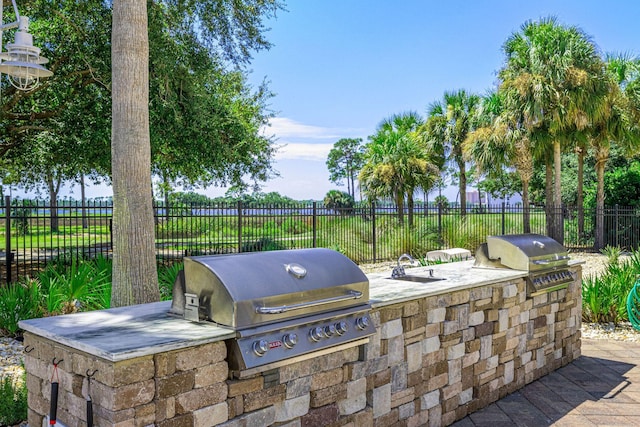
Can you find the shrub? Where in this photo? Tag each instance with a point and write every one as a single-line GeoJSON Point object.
{"type": "Point", "coordinates": [82, 286]}
{"type": "Point", "coordinates": [604, 297]}
{"type": "Point", "coordinates": [21, 215]}
{"type": "Point", "coordinates": [294, 226]}
{"type": "Point", "coordinates": [612, 253]}
{"type": "Point", "coordinates": [18, 301]}
{"type": "Point", "coordinates": [340, 202]}
{"type": "Point", "coordinates": [13, 400]}
{"type": "Point", "coordinates": [264, 244]}
{"type": "Point", "coordinates": [187, 227]}
{"type": "Point", "coordinates": [166, 278]}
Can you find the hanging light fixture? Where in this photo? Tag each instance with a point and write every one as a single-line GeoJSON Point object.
{"type": "Point", "coordinates": [22, 61]}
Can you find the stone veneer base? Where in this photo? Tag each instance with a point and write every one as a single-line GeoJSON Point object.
{"type": "Point", "coordinates": [432, 361]}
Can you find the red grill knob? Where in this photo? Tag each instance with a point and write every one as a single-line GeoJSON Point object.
{"type": "Point", "coordinates": [316, 334]}
{"type": "Point", "coordinates": [290, 340]}
{"type": "Point", "coordinates": [341, 327]}
{"type": "Point", "coordinates": [362, 323]}
{"type": "Point", "coordinates": [260, 347]}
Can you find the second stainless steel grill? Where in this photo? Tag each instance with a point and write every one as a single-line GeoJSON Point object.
{"type": "Point", "coordinates": [282, 304]}
{"type": "Point", "coordinates": [545, 259]}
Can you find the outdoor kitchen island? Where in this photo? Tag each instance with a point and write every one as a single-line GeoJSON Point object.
{"type": "Point", "coordinates": [440, 351]}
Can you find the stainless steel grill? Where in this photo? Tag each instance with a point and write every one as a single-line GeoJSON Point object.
{"type": "Point", "coordinates": [545, 259]}
{"type": "Point", "coordinates": [282, 304]}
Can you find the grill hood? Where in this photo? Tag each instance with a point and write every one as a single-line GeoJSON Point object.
{"type": "Point", "coordinates": [528, 252]}
{"type": "Point", "coordinates": [543, 258]}
{"type": "Point", "coordinates": [256, 288]}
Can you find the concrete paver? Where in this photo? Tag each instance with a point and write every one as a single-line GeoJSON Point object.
{"type": "Point", "coordinates": [601, 388]}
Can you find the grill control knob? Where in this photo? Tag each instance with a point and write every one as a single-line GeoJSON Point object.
{"type": "Point", "coordinates": [316, 334]}
{"type": "Point", "coordinates": [260, 347]}
{"type": "Point", "coordinates": [290, 340]}
{"type": "Point", "coordinates": [341, 327]}
{"type": "Point", "coordinates": [362, 323]}
{"type": "Point", "coordinates": [330, 330]}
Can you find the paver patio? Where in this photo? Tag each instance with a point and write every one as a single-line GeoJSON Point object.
{"type": "Point", "coordinates": [601, 388]}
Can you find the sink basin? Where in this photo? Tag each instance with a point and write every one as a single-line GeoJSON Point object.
{"type": "Point", "coordinates": [419, 279]}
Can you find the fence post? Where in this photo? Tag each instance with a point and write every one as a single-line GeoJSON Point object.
{"type": "Point", "coordinates": [373, 230]}
{"type": "Point", "coordinates": [503, 218]}
{"type": "Point", "coordinates": [7, 236]}
{"type": "Point", "coordinates": [239, 226]}
{"type": "Point", "coordinates": [315, 224]}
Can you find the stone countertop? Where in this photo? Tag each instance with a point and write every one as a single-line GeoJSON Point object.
{"type": "Point", "coordinates": [126, 332]}
{"type": "Point", "coordinates": [140, 330]}
{"type": "Point", "coordinates": [457, 276]}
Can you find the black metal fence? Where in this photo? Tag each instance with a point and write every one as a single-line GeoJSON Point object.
{"type": "Point", "coordinates": [36, 234]}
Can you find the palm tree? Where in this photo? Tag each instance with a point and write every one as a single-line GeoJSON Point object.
{"type": "Point", "coordinates": [340, 202]}
{"type": "Point", "coordinates": [553, 80]}
{"type": "Point", "coordinates": [397, 163]}
{"type": "Point", "coordinates": [135, 278]}
{"type": "Point", "coordinates": [448, 125]}
{"type": "Point", "coordinates": [498, 141]}
{"type": "Point", "coordinates": [619, 124]}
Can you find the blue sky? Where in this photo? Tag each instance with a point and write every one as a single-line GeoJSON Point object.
{"type": "Point", "coordinates": [339, 67]}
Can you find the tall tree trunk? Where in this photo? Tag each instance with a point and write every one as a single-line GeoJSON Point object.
{"type": "Point", "coordinates": [558, 232]}
{"type": "Point", "coordinates": [601, 162]}
{"type": "Point", "coordinates": [463, 188]}
{"type": "Point", "coordinates": [548, 195]}
{"type": "Point", "coordinates": [580, 191]}
{"type": "Point", "coordinates": [349, 176]}
{"type": "Point", "coordinates": [353, 185]}
{"type": "Point", "coordinates": [53, 186]}
{"type": "Point", "coordinates": [400, 207]}
{"type": "Point", "coordinates": [526, 218]}
{"type": "Point", "coordinates": [135, 279]}
{"type": "Point", "coordinates": [410, 207]}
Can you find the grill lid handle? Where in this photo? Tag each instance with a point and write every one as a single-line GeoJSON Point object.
{"type": "Point", "coordinates": [285, 308]}
{"type": "Point", "coordinates": [549, 261]}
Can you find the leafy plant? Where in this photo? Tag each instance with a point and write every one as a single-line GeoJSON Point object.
{"type": "Point", "coordinates": [604, 297]}
{"type": "Point", "coordinates": [18, 301]}
{"type": "Point", "coordinates": [82, 286]}
{"type": "Point", "coordinates": [167, 275]}
{"type": "Point", "coordinates": [13, 400]}
{"type": "Point", "coordinates": [612, 253]}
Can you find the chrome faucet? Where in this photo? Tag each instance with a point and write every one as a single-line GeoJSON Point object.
{"type": "Point", "coordinates": [398, 270]}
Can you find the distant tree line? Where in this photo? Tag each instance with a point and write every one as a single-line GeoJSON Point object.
{"type": "Point", "coordinates": [560, 127]}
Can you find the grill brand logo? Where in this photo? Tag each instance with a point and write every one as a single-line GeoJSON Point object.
{"type": "Point", "coordinates": [275, 344]}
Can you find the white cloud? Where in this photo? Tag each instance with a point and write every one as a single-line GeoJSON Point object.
{"type": "Point", "coordinates": [282, 127]}
{"type": "Point", "coordinates": [303, 151]}
{"type": "Point", "coordinates": [291, 138]}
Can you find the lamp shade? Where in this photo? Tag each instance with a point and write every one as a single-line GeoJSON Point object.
{"type": "Point", "coordinates": [22, 61]}
{"type": "Point", "coordinates": [21, 69]}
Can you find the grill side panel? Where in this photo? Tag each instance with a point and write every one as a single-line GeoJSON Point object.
{"type": "Point", "coordinates": [216, 303]}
